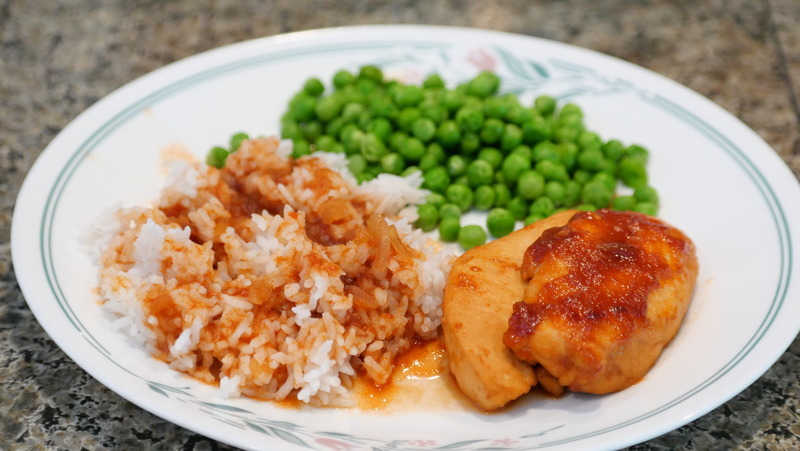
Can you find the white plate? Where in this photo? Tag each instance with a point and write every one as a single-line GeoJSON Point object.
{"type": "Point", "coordinates": [718, 181]}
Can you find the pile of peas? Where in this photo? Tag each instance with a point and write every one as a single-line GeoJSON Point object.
{"type": "Point", "coordinates": [476, 148]}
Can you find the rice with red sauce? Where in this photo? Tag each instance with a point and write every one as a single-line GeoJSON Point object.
{"type": "Point", "coordinates": [274, 277]}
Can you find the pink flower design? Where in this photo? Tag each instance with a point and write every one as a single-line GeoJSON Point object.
{"type": "Point", "coordinates": [337, 445]}
{"type": "Point", "coordinates": [482, 59]}
{"type": "Point", "coordinates": [504, 442]}
{"type": "Point", "coordinates": [422, 443]}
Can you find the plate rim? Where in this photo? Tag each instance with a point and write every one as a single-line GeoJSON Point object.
{"type": "Point", "coordinates": [312, 36]}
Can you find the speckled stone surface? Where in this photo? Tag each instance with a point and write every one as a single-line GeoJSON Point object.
{"type": "Point", "coordinates": [57, 58]}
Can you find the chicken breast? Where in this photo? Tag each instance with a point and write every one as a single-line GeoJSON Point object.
{"type": "Point", "coordinates": [482, 288]}
{"type": "Point", "coordinates": [605, 293]}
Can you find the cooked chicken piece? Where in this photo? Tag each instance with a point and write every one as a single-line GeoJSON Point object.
{"type": "Point", "coordinates": [481, 290]}
{"type": "Point", "coordinates": [605, 294]}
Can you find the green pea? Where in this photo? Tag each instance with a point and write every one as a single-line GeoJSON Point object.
{"type": "Point", "coordinates": [327, 108]}
{"type": "Point", "coordinates": [351, 112]}
{"type": "Point", "coordinates": [623, 203]}
{"type": "Point", "coordinates": [290, 129]}
{"type": "Point", "coordinates": [456, 166]}
{"type": "Point", "coordinates": [470, 143]}
{"type": "Point", "coordinates": [343, 78]}
{"type": "Point", "coordinates": [530, 185]}
{"type": "Point", "coordinates": [562, 134]}
{"type": "Point", "coordinates": [632, 171]}
{"type": "Point", "coordinates": [483, 85]}
{"type": "Point", "coordinates": [437, 151]}
{"type": "Point", "coordinates": [433, 81]}
{"type": "Point", "coordinates": [546, 105]}
{"type": "Point", "coordinates": [412, 149]}
{"type": "Point", "coordinates": [365, 177]}
{"type": "Point", "coordinates": [436, 179]}
{"type": "Point", "coordinates": [216, 157]}
{"type": "Point", "coordinates": [408, 170]}
{"type": "Point", "coordinates": [462, 180]}
{"type": "Point", "coordinates": [480, 172]}
{"type": "Point", "coordinates": [469, 118]}
{"type": "Point", "coordinates": [637, 151]}
{"type": "Point", "coordinates": [495, 107]}
{"type": "Point", "coordinates": [436, 113]}
{"type": "Point", "coordinates": [349, 94]}
{"type": "Point", "coordinates": [492, 156]}
{"type": "Point", "coordinates": [484, 197]}
{"type": "Point", "coordinates": [513, 166]}
{"type": "Point", "coordinates": [395, 140]}
{"type": "Point", "coordinates": [301, 148]}
{"type": "Point", "coordinates": [407, 96]}
{"type": "Point", "coordinates": [535, 130]}
{"type": "Point", "coordinates": [435, 199]}
{"type": "Point", "coordinates": [609, 167]}
{"type": "Point", "coordinates": [607, 179]}
{"type": "Point", "coordinates": [552, 170]}
{"type": "Point", "coordinates": [556, 191]}
{"type": "Point", "coordinates": [427, 217]}
{"type": "Point", "coordinates": [568, 155]}
{"type": "Point", "coordinates": [236, 141]}
{"type": "Point", "coordinates": [585, 207]}
{"type": "Point", "coordinates": [311, 130]}
{"type": "Point", "coordinates": [471, 236]}
{"type": "Point", "coordinates": [334, 126]}
{"type": "Point", "coordinates": [301, 108]}
{"type": "Point", "coordinates": [613, 149]}
{"type": "Point", "coordinates": [449, 210]}
{"type": "Point", "coordinates": [380, 127]}
{"type": "Point", "coordinates": [324, 143]}
{"type": "Point", "coordinates": [313, 87]}
{"type": "Point", "coordinates": [572, 193]}
{"type": "Point", "coordinates": [448, 229]}
{"type": "Point", "coordinates": [373, 148]}
{"type": "Point", "coordinates": [492, 130]}
{"type": "Point", "coordinates": [406, 118]}
{"type": "Point", "coordinates": [581, 176]}
{"type": "Point", "coordinates": [382, 106]}
{"type": "Point", "coordinates": [392, 163]}
{"type": "Point", "coordinates": [543, 206]}
{"type": "Point", "coordinates": [512, 137]}
{"type": "Point", "coordinates": [336, 147]}
{"type": "Point", "coordinates": [646, 194]}
{"type": "Point", "coordinates": [597, 194]}
{"type": "Point", "coordinates": [448, 134]}
{"type": "Point", "coordinates": [589, 140]}
{"type": "Point", "coordinates": [519, 115]}
{"type": "Point", "coordinates": [647, 208]}
{"type": "Point", "coordinates": [518, 207]}
{"type": "Point", "coordinates": [460, 195]}
{"type": "Point", "coordinates": [356, 163]}
{"type": "Point", "coordinates": [590, 159]}
{"type": "Point", "coordinates": [423, 129]}
{"type": "Point", "coordinates": [570, 109]}
{"type": "Point", "coordinates": [427, 162]}
{"type": "Point", "coordinates": [452, 100]}
{"type": "Point", "coordinates": [546, 150]}
{"type": "Point", "coordinates": [568, 120]}
{"type": "Point", "coordinates": [372, 73]}
{"type": "Point", "coordinates": [500, 222]}
{"type": "Point", "coordinates": [501, 194]}
{"type": "Point", "coordinates": [473, 102]}
{"type": "Point", "coordinates": [524, 151]}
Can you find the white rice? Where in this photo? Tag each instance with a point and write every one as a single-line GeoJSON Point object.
{"type": "Point", "coordinates": [286, 299]}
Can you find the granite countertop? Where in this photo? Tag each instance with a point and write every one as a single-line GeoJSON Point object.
{"type": "Point", "coordinates": [58, 58]}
